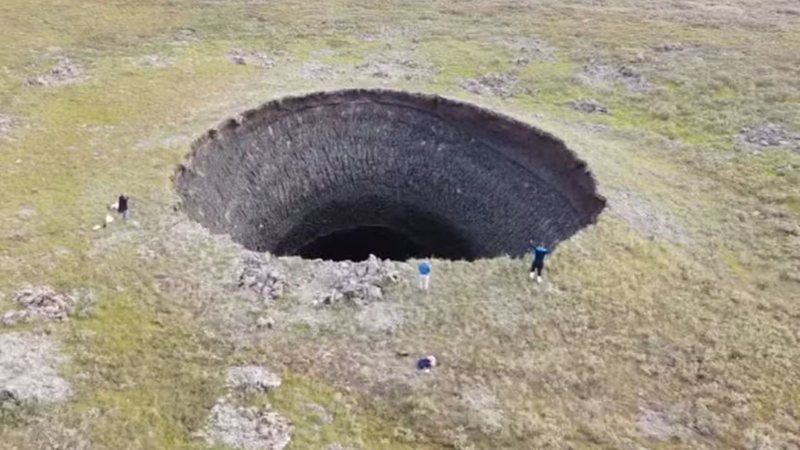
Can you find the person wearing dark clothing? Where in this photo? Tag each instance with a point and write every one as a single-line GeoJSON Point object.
{"type": "Point", "coordinates": [426, 363]}
{"type": "Point", "coordinates": [122, 206]}
{"type": "Point", "coordinates": [539, 254]}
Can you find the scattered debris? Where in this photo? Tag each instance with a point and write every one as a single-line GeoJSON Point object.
{"type": "Point", "coordinates": [316, 71]}
{"type": "Point", "coordinates": [43, 303]}
{"type": "Point", "coordinates": [396, 66]}
{"type": "Point", "coordinates": [492, 84]}
{"type": "Point", "coordinates": [252, 378]}
{"type": "Point", "coordinates": [64, 72]}
{"type": "Point", "coordinates": [259, 276]}
{"type": "Point", "coordinates": [596, 73]}
{"type": "Point", "coordinates": [251, 58]}
{"type": "Point", "coordinates": [248, 428]}
{"type": "Point", "coordinates": [589, 105]}
{"type": "Point", "coordinates": [29, 369]}
{"type": "Point", "coordinates": [357, 283]}
{"type": "Point", "coordinates": [769, 135]}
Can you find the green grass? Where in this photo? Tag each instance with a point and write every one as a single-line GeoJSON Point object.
{"type": "Point", "coordinates": [622, 325]}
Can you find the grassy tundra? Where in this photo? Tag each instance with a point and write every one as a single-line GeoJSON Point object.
{"type": "Point", "coordinates": [672, 323]}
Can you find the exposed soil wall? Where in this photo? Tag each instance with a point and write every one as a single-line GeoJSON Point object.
{"type": "Point", "coordinates": [459, 180]}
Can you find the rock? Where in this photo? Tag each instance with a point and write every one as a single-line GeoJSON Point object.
{"type": "Point", "coordinates": [358, 283]}
{"type": "Point", "coordinates": [248, 428]}
{"type": "Point", "coordinates": [42, 303]}
{"type": "Point", "coordinates": [252, 378]}
{"type": "Point", "coordinates": [257, 274]}
{"type": "Point", "coordinates": [589, 105]}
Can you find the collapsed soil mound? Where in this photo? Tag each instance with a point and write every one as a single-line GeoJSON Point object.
{"type": "Point", "coordinates": [340, 175]}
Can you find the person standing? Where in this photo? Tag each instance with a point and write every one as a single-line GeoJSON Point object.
{"type": "Point", "coordinates": [424, 268]}
{"type": "Point", "coordinates": [539, 254]}
{"type": "Point", "coordinates": [122, 206]}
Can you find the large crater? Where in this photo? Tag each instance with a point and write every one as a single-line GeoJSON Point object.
{"type": "Point", "coordinates": [339, 175]}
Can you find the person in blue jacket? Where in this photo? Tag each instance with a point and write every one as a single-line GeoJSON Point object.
{"type": "Point", "coordinates": [539, 254]}
{"type": "Point", "coordinates": [424, 268]}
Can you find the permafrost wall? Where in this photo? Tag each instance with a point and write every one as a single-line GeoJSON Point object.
{"type": "Point", "coordinates": [461, 181]}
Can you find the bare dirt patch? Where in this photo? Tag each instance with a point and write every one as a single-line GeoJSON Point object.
{"type": "Point", "coordinates": [43, 303]}
{"type": "Point", "coordinates": [64, 72]}
{"type": "Point", "coordinates": [248, 428]}
{"type": "Point", "coordinates": [601, 74]}
{"type": "Point", "coordinates": [491, 84]}
{"type": "Point", "coordinates": [29, 366]}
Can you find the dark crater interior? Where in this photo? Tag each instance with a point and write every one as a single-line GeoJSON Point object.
{"type": "Point", "coordinates": [339, 175]}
